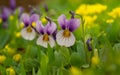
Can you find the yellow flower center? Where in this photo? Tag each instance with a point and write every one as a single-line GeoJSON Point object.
{"type": "Point", "coordinates": [29, 29]}
{"type": "Point", "coordinates": [45, 37]}
{"type": "Point", "coordinates": [66, 33]}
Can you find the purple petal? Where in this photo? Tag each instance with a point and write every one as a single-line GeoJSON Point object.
{"type": "Point", "coordinates": [39, 27]}
{"type": "Point", "coordinates": [34, 18]}
{"type": "Point", "coordinates": [73, 24]}
{"type": "Point", "coordinates": [50, 28]}
{"type": "Point", "coordinates": [13, 4]}
{"type": "Point", "coordinates": [20, 10]}
{"type": "Point", "coordinates": [62, 21]}
{"type": "Point", "coordinates": [5, 14]}
{"type": "Point", "coordinates": [25, 19]}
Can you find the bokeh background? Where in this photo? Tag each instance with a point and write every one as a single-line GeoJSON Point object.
{"type": "Point", "coordinates": [100, 20]}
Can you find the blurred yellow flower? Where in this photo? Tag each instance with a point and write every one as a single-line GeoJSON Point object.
{"type": "Point", "coordinates": [0, 20]}
{"type": "Point", "coordinates": [115, 12]}
{"type": "Point", "coordinates": [11, 17]}
{"type": "Point", "coordinates": [21, 25]}
{"type": "Point", "coordinates": [95, 58]}
{"type": "Point", "coordinates": [17, 34]}
{"type": "Point", "coordinates": [2, 59]}
{"type": "Point", "coordinates": [10, 71]}
{"type": "Point", "coordinates": [9, 50]}
{"type": "Point", "coordinates": [17, 57]}
{"type": "Point", "coordinates": [33, 24]}
{"type": "Point", "coordinates": [110, 21]}
{"type": "Point", "coordinates": [90, 19]}
{"type": "Point", "coordinates": [75, 71]}
{"type": "Point", "coordinates": [43, 20]}
{"type": "Point", "coordinates": [86, 9]}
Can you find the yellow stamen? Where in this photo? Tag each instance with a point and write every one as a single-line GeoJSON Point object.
{"type": "Point", "coordinates": [66, 33]}
{"type": "Point", "coordinates": [33, 24]}
{"type": "Point", "coordinates": [0, 20]}
{"type": "Point", "coordinates": [45, 37]}
{"type": "Point", "coordinates": [29, 29]}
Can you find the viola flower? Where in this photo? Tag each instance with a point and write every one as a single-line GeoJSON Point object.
{"type": "Point", "coordinates": [65, 37]}
{"type": "Point", "coordinates": [13, 4]}
{"type": "Point", "coordinates": [28, 31]}
{"type": "Point", "coordinates": [46, 32]}
{"type": "Point", "coordinates": [5, 14]}
{"type": "Point", "coordinates": [88, 42]}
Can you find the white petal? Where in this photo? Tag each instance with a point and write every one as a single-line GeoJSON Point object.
{"type": "Point", "coordinates": [65, 41]}
{"type": "Point", "coordinates": [26, 35]}
{"type": "Point", "coordinates": [51, 42]}
{"type": "Point", "coordinates": [60, 38]}
{"type": "Point", "coordinates": [41, 42]}
{"type": "Point", "coordinates": [45, 44]}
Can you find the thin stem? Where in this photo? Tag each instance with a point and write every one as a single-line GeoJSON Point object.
{"type": "Point", "coordinates": [83, 30]}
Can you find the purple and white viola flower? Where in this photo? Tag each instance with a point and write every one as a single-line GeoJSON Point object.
{"type": "Point", "coordinates": [65, 37]}
{"type": "Point", "coordinates": [46, 32]}
{"type": "Point", "coordinates": [28, 31]}
{"type": "Point", "coordinates": [5, 14]}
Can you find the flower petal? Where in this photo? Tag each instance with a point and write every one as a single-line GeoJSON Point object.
{"type": "Point", "coordinates": [51, 42]}
{"type": "Point", "coordinates": [50, 28]}
{"type": "Point", "coordinates": [26, 35]}
{"type": "Point", "coordinates": [39, 27]}
{"type": "Point", "coordinates": [62, 21]}
{"type": "Point", "coordinates": [13, 4]}
{"type": "Point", "coordinates": [20, 11]}
{"type": "Point", "coordinates": [65, 41]}
{"type": "Point", "coordinates": [6, 13]}
{"type": "Point", "coordinates": [41, 42]}
{"type": "Point", "coordinates": [34, 18]}
{"type": "Point", "coordinates": [73, 24]}
{"type": "Point", "coordinates": [25, 19]}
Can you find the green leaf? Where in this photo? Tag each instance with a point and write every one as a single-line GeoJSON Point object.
{"type": "Point", "coordinates": [29, 64]}
{"type": "Point", "coordinates": [22, 69]}
{"type": "Point", "coordinates": [116, 48]}
{"type": "Point", "coordinates": [81, 51]}
{"type": "Point", "coordinates": [59, 59]}
{"type": "Point", "coordinates": [44, 64]}
{"type": "Point", "coordinates": [50, 54]}
{"type": "Point", "coordinates": [3, 39]}
{"type": "Point", "coordinates": [65, 53]}
{"type": "Point", "coordinates": [76, 59]}
{"type": "Point", "coordinates": [33, 72]}
{"type": "Point", "coordinates": [39, 72]}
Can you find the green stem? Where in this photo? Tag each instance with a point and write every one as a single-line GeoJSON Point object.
{"type": "Point", "coordinates": [83, 30]}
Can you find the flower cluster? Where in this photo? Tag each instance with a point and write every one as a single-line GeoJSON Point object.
{"type": "Point", "coordinates": [48, 34]}
{"type": "Point", "coordinates": [89, 12]}
{"type": "Point", "coordinates": [86, 9]}
{"type": "Point", "coordinates": [115, 12]}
